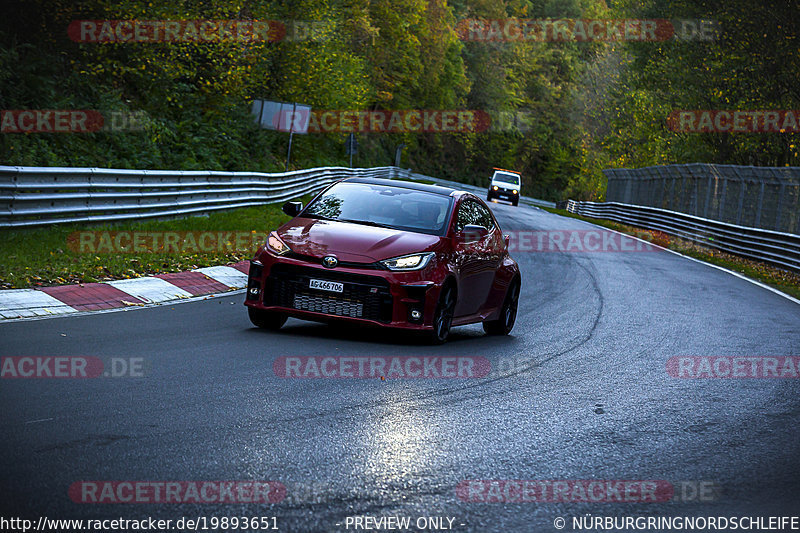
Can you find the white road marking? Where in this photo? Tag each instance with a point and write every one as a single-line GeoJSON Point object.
{"type": "Point", "coordinates": [226, 275]}
{"type": "Point", "coordinates": [151, 290]}
{"type": "Point", "coordinates": [30, 302]}
{"type": "Point", "coordinates": [40, 420]}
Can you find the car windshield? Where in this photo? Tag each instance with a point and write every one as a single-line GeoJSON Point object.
{"type": "Point", "coordinates": [383, 206]}
{"type": "Point", "coordinates": [507, 177]}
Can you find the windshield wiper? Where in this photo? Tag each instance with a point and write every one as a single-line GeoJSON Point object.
{"type": "Point", "coordinates": [365, 223]}
{"type": "Point", "coordinates": [350, 220]}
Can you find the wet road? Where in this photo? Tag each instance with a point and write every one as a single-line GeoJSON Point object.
{"type": "Point", "coordinates": [579, 391]}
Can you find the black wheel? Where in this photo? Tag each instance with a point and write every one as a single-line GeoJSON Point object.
{"type": "Point", "coordinates": [508, 313]}
{"type": "Point", "coordinates": [443, 317]}
{"type": "Point", "coordinates": [515, 202]}
{"type": "Point", "coordinates": [266, 319]}
{"type": "Point", "coordinates": [488, 197]}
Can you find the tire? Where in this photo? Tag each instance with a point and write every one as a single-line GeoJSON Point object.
{"type": "Point", "coordinates": [515, 202]}
{"type": "Point", "coordinates": [443, 316]}
{"type": "Point", "coordinates": [508, 313]}
{"type": "Point", "coordinates": [488, 197]}
{"type": "Point", "coordinates": [266, 319]}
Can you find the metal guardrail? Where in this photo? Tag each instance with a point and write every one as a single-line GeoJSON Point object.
{"type": "Point", "coordinates": [36, 196]}
{"type": "Point", "coordinates": [39, 196]}
{"type": "Point", "coordinates": [777, 248]}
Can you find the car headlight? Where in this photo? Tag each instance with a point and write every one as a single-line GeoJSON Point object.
{"type": "Point", "coordinates": [515, 191]}
{"type": "Point", "coordinates": [495, 188]}
{"type": "Point", "coordinates": [408, 262]}
{"type": "Point", "coordinates": [276, 245]}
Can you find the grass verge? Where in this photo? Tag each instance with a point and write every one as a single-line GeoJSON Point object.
{"type": "Point", "coordinates": [55, 255]}
{"type": "Point", "coordinates": [778, 278]}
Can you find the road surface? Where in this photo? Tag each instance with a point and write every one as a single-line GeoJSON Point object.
{"type": "Point", "coordinates": [579, 391]}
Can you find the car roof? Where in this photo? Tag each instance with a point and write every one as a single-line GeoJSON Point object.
{"type": "Point", "coordinates": [496, 170]}
{"type": "Point", "coordinates": [435, 189]}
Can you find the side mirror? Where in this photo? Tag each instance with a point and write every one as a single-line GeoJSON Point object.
{"type": "Point", "coordinates": [292, 208]}
{"type": "Point", "coordinates": [472, 233]}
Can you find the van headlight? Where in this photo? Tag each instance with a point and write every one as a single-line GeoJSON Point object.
{"type": "Point", "coordinates": [495, 188]}
{"type": "Point", "coordinates": [408, 262]}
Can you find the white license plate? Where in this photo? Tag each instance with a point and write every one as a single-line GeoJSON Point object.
{"type": "Point", "coordinates": [330, 286]}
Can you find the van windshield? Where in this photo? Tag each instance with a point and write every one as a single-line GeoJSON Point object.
{"type": "Point", "coordinates": [507, 177]}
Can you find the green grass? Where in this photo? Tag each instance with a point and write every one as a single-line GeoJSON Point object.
{"type": "Point", "coordinates": [783, 280]}
{"type": "Point", "coordinates": [47, 256]}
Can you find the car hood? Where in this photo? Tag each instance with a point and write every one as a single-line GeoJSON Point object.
{"type": "Point", "coordinates": [351, 242]}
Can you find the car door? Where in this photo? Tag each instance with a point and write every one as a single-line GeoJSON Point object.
{"type": "Point", "coordinates": [474, 270]}
{"type": "Point", "coordinates": [490, 253]}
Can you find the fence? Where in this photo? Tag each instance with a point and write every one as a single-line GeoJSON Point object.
{"type": "Point", "coordinates": [33, 196]}
{"type": "Point", "coordinates": [758, 197]}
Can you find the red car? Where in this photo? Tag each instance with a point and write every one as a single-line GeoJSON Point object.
{"type": "Point", "coordinates": [387, 253]}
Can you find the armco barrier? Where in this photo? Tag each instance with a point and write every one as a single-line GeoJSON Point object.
{"type": "Point", "coordinates": [781, 249]}
{"type": "Point", "coordinates": [38, 196]}
{"type": "Point", "coordinates": [34, 196]}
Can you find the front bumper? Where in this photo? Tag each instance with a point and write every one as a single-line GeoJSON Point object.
{"type": "Point", "coordinates": [503, 194]}
{"type": "Point", "coordinates": [370, 295]}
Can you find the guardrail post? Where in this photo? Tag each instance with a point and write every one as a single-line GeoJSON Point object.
{"type": "Point", "coordinates": [673, 179]}
{"type": "Point", "coordinates": [741, 197]}
{"type": "Point", "coordinates": [626, 198]}
{"type": "Point", "coordinates": [780, 207]}
{"type": "Point", "coordinates": [652, 176]}
{"type": "Point", "coordinates": [709, 181]}
{"type": "Point", "coordinates": [757, 223]}
{"type": "Point", "coordinates": [658, 201]}
{"type": "Point", "coordinates": [741, 204]}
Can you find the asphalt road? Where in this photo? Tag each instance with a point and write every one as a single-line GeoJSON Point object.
{"type": "Point", "coordinates": [579, 391]}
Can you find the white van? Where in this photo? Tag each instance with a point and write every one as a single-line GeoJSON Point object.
{"type": "Point", "coordinates": [505, 185]}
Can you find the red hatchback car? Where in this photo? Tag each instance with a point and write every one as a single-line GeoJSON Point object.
{"type": "Point", "coordinates": [387, 253]}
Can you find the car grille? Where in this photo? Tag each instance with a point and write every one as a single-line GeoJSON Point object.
{"type": "Point", "coordinates": [342, 264]}
{"type": "Point", "coordinates": [363, 296]}
{"type": "Point", "coordinates": [328, 305]}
